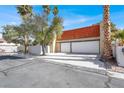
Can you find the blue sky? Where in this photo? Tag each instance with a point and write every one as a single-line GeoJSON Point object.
{"type": "Point", "coordinates": [75, 16]}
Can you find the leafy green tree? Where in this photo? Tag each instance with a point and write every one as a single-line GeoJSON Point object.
{"type": "Point", "coordinates": [25, 31]}
{"type": "Point", "coordinates": [117, 34]}
{"type": "Point", "coordinates": [120, 36]}
{"type": "Point", "coordinates": [9, 34]}
{"type": "Point", "coordinates": [114, 31]}
{"type": "Point", "coordinates": [26, 13]}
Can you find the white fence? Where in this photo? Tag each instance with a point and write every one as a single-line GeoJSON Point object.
{"type": "Point", "coordinates": [37, 49]}
{"type": "Point", "coordinates": [118, 54]}
{"type": "Point", "coordinates": [8, 48]}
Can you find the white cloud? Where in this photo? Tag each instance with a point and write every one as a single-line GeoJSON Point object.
{"type": "Point", "coordinates": [117, 18]}
{"type": "Point", "coordinates": [117, 15]}
{"type": "Point", "coordinates": [12, 19]}
{"type": "Point", "coordinates": [79, 19]}
{"type": "Point", "coordinates": [12, 23]}
{"type": "Point", "coordinates": [73, 18]}
{"type": "Point", "coordinates": [73, 21]}
{"type": "Point", "coordinates": [9, 16]}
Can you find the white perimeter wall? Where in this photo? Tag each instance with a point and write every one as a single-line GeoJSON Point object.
{"type": "Point", "coordinates": [37, 50]}
{"type": "Point", "coordinates": [8, 48]}
{"type": "Point", "coordinates": [120, 55]}
{"type": "Point", "coordinates": [0, 36]}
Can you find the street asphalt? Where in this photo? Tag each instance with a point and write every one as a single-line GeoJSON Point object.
{"type": "Point", "coordinates": [18, 72]}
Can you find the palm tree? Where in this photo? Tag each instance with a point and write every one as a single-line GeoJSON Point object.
{"type": "Point", "coordinates": [57, 25]}
{"type": "Point", "coordinates": [107, 52]}
{"type": "Point", "coordinates": [25, 12]}
{"type": "Point", "coordinates": [46, 9]}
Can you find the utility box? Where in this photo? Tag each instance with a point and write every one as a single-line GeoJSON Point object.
{"type": "Point", "coordinates": [120, 55]}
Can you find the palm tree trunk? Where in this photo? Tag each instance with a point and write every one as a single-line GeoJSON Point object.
{"type": "Point", "coordinates": [107, 51]}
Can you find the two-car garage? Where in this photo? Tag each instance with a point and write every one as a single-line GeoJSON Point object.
{"type": "Point", "coordinates": [80, 47]}
{"type": "Point", "coordinates": [81, 40]}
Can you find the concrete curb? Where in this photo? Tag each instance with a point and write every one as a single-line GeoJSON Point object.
{"type": "Point", "coordinates": [98, 71]}
{"type": "Point", "coordinates": [81, 68]}
{"type": "Point", "coordinates": [115, 74]}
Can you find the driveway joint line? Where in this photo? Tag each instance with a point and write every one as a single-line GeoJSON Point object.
{"type": "Point", "coordinates": [14, 67]}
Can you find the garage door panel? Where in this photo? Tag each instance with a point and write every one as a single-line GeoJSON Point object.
{"type": "Point", "coordinates": [85, 47]}
{"type": "Point", "coordinates": [65, 47]}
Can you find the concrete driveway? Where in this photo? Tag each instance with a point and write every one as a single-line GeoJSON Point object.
{"type": "Point", "coordinates": [39, 72]}
{"type": "Point", "coordinates": [88, 62]}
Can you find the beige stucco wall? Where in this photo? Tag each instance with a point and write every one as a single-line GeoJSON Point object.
{"type": "Point", "coordinates": [101, 38]}
{"type": "Point", "coordinates": [58, 47]}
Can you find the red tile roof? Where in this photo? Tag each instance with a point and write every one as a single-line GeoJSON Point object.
{"type": "Point", "coordinates": [86, 32]}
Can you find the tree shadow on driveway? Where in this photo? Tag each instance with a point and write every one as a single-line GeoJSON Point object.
{"type": "Point", "coordinates": [10, 57]}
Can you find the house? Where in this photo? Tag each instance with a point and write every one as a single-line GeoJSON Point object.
{"type": "Point", "coordinates": [1, 41]}
{"type": "Point", "coordinates": [7, 47]}
{"type": "Point", "coordinates": [81, 40]}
